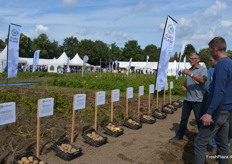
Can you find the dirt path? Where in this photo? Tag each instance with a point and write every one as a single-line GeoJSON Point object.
{"type": "Point", "coordinates": [148, 145]}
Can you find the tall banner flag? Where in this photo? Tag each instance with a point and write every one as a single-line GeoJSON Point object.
{"type": "Point", "coordinates": [167, 45]}
{"type": "Point", "coordinates": [147, 60]}
{"type": "Point", "coordinates": [68, 68]}
{"type": "Point", "coordinates": [129, 66]}
{"type": "Point", "coordinates": [35, 60]}
{"type": "Point", "coordinates": [181, 54]}
{"type": "Point", "coordinates": [85, 59]}
{"type": "Point", "coordinates": [13, 50]}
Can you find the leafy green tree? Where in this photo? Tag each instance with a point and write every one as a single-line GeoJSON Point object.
{"type": "Point", "coordinates": [101, 51]}
{"type": "Point", "coordinates": [229, 52]}
{"type": "Point", "coordinates": [189, 49]}
{"type": "Point", "coordinates": [152, 51]}
{"type": "Point", "coordinates": [133, 50]}
{"type": "Point", "coordinates": [70, 46]}
{"type": "Point", "coordinates": [115, 53]}
{"type": "Point", "coordinates": [25, 46]}
{"type": "Point", "coordinates": [86, 47]}
{"type": "Point", "coordinates": [2, 44]}
{"type": "Point", "coordinates": [174, 57]}
{"type": "Point", "coordinates": [205, 56]}
{"type": "Point", "coordinates": [46, 48]}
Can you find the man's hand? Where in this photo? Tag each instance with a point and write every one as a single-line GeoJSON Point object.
{"type": "Point", "coordinates": [183, 88]}
{"type": "Point", "coordinates": [187, 72]}
{"type": "Point", "coordinates": [206, 119]}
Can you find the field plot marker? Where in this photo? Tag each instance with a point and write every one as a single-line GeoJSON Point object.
{"type": "Point", "coordinates": [115, 96]}
{"type": "Point", "coordinates": [157, 95]}
{"type": "Point", "coordinates": [79, 102]}
{"type": "Point", "coordinates": [151, 90]}
{"type": "Point", "coordinates": [45, 108]}
{"type": "Point", "coordinates": [165, 88]}
{"type": "Point", "coordinates": [141, 93]}
{"type": "Point", "coordinates": [7, 113]}
{"type": "Point", "coordinates": [129, 94]}
{"type": "Point", "coordinates": [100, 99]}
{"type": "Point", "coordinates": [171, 86]}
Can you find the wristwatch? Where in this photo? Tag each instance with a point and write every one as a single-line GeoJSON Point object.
{"type": "Point", "coordinates": [191, 74]}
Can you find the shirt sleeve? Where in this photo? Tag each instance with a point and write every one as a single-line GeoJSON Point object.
{"type": "Point", "coordinates": [218, 88]}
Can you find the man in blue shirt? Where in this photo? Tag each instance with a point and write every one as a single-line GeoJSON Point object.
{"type": "Point", "coordinates": [216, 119]}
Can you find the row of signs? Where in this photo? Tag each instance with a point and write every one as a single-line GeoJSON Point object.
{"type": "Point", "coordinates": [46, 106]}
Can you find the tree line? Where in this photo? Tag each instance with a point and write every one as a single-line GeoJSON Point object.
{"type": "Point", "coordinates": [97, 50]}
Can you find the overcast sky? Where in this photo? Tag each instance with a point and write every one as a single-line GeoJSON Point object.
{"type": "Point", "coordinates": [120, 20]}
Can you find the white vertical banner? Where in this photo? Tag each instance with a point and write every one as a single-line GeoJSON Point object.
{"type": "Point", "coordinates": [166, 51]}
{"type": "Point", "coordinates": [68, 68]}
{"type": "Point", "coordinates": [147, 60]}
{"type": "Point", "coordinates": [178, 69]}
{"type": "Point", "coordinates": [35, 60]}
{"type": "Point", "coordinates": [129, 66]}
{"type": "Point", "coordinates": [13, 50]}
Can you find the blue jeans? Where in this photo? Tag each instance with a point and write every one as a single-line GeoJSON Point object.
{"type": "Point", "coordinates": [221, 130]}
{"type": "Point", "coordinates": [186, 111]}
{"type": "Point", "coordinates": [214, 143]}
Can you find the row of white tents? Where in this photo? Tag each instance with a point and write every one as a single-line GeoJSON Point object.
{"type": "Point", "coordinates": [55, 65]}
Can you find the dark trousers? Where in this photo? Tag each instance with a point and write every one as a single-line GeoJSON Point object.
{"type": "Point", "coordinates": [220, 128]}
{"type": "Point", "coordinates": [188, 106]}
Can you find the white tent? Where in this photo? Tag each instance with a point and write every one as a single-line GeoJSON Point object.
{"type": "Point", "coordinates": [76, 60]}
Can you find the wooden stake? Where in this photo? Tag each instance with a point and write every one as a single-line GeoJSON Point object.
{"type": "Point", "coordinates": [157, 99]}
{"type": "Point", "coordinates": [73, 120]}
{"type": "Point", "coordinates": [139, 103]}
{"type": "Point", "coordinates": [112, 108]}
{"type": "Point", "coordinates": [38, 132]}
{"type": "Point", "coordinates": [95, 120]}
{"type": "Point", "coordinates": [149, 102]}
{"type": "Point", "coordinates": [127, 110]}
{"type": "Point", "coordinates": [164, 95]}
{"type": "Point", "coordinates": [170, 95]}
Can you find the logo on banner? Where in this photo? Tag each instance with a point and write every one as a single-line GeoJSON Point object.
{"type": "Point", "coordinates": [14, 32]}
{"type": "Point", "coordinates": [170, 29]}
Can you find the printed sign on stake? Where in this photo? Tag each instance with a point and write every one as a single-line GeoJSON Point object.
{"type": "Point", "coordinates": [46, 107]}
{"type": "Point", "coordinates": [116, 95]}
{"type": "Point", "coordinates": [171, 84]}
{"type": "Point", "coordinates": [7, 113]}
{"type": "Point", "coordinates": [79, 101]}
{"type": "Point", "coordinates": [166, 86]}
{"type": "Point", "coordinates": [130, 93]}
{"type": "Point", "coordinates": [141, 90]}
{"type": "Point", "coordinates": [101, 96]}
{"type": "Point", "coordinates": [151, 88]}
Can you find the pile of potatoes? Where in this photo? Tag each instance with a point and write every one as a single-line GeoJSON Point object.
{"type": "Point", "coordinates": [132, 122]}
{"type": "Point", "coordinates": [113, 128]}
{"type": "Point", "coordinates": [67, 148]}
{"type": "Point", "coordinates": [147, 117]}
{"type": "Point", "coordinates": [29, 160]}
{"type": "Point", "coordinates": [94, 136]}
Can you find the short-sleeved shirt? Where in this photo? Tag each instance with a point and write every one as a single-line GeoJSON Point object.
{"type": "Point", "coordinates": [195, 90]}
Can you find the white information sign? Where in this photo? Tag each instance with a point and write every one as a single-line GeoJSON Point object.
{"type": "Point", "coordinates": [166, 86]}
{"type": "Point", "coordinates": [151, 88]}
{"type": "Point", "coordinates": [79, 101]}
{"type": "Point", "coordinates": [46, 107]}
{"type": "Point", "coordinates": [7, 113]}
{"type": "Point", "coordinates": [158, 87]}
{"type": "Point", "coordinates": [130, 93]}
{"type": "Point", "coordinates": [101, 98]}
{"type": "Point", "coordinates": [171, 84]}
{"type": "Point", "coordinates": [116, 95]}
{"type": "Point", "coordinates": [141, 90]}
